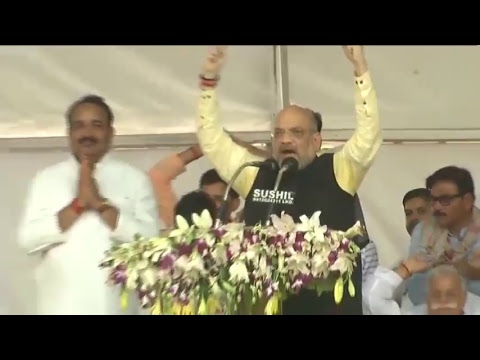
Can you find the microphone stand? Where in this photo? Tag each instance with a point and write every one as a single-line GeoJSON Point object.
{"type": "Point", "coordinates": [282, 171]}
{"type": "Point", "coordinates": [288, 164]}
{"type": "Point", "coordinates": [223, 208]}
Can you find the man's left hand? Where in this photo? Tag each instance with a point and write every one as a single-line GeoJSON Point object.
{"type": "Point", "coordinates": [92, 195]}
{"type": "Point", "coordinates": [95, 200]}
{"type": "Point", "coordinates": [356, 56]}
{"type": "Point", "coordinates": [354, 53]}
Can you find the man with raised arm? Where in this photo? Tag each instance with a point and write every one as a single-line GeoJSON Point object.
{"type": "Point", "coordinates": [328, 182]}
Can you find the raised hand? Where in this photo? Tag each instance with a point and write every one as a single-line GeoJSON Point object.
{"type": "Point", "coordinates": [88, 195]}
{"type": "Point", "coordinates": [354, 53]}
{"type": "Point", "coordinates": [214, 61]}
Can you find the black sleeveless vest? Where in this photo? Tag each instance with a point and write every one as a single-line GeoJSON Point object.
{"type": "Point", "coordinates": [311, 189]}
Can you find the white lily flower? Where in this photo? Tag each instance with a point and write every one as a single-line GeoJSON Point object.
{"type": "Point", "coordinates": [219, 254]}
{"type": "Point", "coordinates": [238, 272]}
{"type": "Point", "coordinates": [343, 264]}
{"type": "Point", "coordinates": [149, 277]}
{"type": "Point", "coordinates": [204, 221]}
{"type": "Point", "coordinates": [355, 230]}
{"type": "Point", "coordinates": [182, 224]}
{"type": "Point", "coordinates": [311, 225]}
{"type": "Point", "coordinates": [298, 263]}
{"type": "Point", "coordinates": [320, 265]}
{"type": "Point", "coordinates": [262, 267]}
{"type": "Point", "coordinates": [195, 267]}
{"type": "Point", "coordinates": [233, 230]}
{"type": "Point", "coordinates": [235, 247]}
{"type": "Point", "coordinates": [284, 224]}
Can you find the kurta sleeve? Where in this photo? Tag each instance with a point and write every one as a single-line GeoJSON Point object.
{"type": "Point", "coordinates": [220, 149]}
{"type": "Point", "coordinates": [143, 217]}
{"type": "Point", "coordinates": [417, 284]}
{"type": "Point", "coordinates": [39, 223]}
{"type": "Point", "coordinates": [352, 162]}
{"type": "Point", "coordinates": [379, 292]}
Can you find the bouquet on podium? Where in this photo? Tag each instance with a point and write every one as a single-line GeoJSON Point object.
{"type": "Point", "coordinates": [233, 269]}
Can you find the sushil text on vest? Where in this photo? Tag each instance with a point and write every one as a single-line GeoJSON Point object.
{"type": "Point", "coordinates": [272, 196]}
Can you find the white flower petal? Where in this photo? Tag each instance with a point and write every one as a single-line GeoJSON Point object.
{"type": "Point", "coordinates": [315, 219]}
{"type": "Point", "coordinates": [304, 220]}
{"type": "Point", "coordinates": [207, 221]}
{"type": "Point", "coordinates": [182, 224]}
{"type": "Point", "coordinates": [197, 220]}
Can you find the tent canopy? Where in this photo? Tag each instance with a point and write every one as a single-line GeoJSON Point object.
{"type": "Point", "coordinates": [425, 92]}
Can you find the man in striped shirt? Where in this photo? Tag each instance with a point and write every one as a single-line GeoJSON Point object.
{"type": "Point", "coordinates": [368, 253]}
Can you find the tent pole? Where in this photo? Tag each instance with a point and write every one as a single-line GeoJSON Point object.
{"type": "Point", "coordinates": [282, 90]}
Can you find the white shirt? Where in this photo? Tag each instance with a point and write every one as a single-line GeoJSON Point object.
{"type": "Point", "coordinates": [379, 291]}
{"type": "Point", "coordinates": [369, 258]}
{"type": "Point", "coordinates": [69, 280]}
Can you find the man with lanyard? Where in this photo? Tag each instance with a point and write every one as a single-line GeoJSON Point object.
{"type": "Point", "coordinates": [327, 183]}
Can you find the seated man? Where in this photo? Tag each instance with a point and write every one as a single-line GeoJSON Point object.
{"type": "Point", "coordinates": [417, 207]}
{"type": "Point", "coordinates": [452, 235]}
{"type": "Point", "coordinates": [446, 291]}
{"type": "Point", "coordinates": [194, 203]}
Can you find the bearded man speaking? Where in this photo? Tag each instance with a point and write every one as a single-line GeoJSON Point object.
{"type": "Point", "coordinates": [327, 183]}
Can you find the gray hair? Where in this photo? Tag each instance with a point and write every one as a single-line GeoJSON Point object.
{"type": "Point", "coordinates": [446, 270]}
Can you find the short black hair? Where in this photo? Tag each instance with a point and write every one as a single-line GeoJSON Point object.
{"type": "Point", "coordinates": [421, 193]}
{"type": "Point", "coordinates": [210, 177]}
{"type": "Point", "coordinates": [194, 203]}
{"type": "Point", "coordinates": [90, 99]}
{"type": "Point", "coordinates": [454, 174]}
{"type": "Point", "coordinates": [317, 120]}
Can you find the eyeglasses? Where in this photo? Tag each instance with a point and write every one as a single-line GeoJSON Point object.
{"type": "Point", "coordinates": [444, 200]}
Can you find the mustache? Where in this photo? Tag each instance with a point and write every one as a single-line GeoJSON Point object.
{"type": "Point", "coordinates": [88, 139]}
{"type": "Point", "coordinates": [450, 305]}
{"type": "Point", "coordinates": [438, 213]}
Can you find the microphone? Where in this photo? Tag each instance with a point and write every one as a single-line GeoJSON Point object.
{"type": "Point", "coordinates": [289, 164]}
{"type": "Point", "coordinates": [270, 164]}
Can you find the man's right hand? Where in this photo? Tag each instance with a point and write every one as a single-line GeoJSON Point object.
{"type": "Point", "coordinates": [214, 62]}
{"type": "Point", "coordinates": [85, 184]}
{"type": "Point", "coordinates": [417, 264]}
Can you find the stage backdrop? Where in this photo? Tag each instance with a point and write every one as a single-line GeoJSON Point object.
{"type": "Point", "coordinates": [398, 169]}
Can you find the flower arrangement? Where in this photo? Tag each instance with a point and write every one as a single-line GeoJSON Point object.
{"type": "Point", "coordinates": [233, 269]}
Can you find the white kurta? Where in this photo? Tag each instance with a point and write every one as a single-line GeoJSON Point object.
{"type": "Point", "coordinates": [69, 280]}
{"type": "Point", "coordinates": [379, 295]}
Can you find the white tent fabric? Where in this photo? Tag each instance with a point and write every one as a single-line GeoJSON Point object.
{"type": "Point", "coordinates": [424, 93]}
{"type": "Point", "coordinates": [153, 89]}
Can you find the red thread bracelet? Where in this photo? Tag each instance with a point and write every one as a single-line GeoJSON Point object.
{"type": "Point", "coordinates": [76, 207]}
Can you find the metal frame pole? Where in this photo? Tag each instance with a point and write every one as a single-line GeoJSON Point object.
{"type": "Point", "coordinates": [282, 81]}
